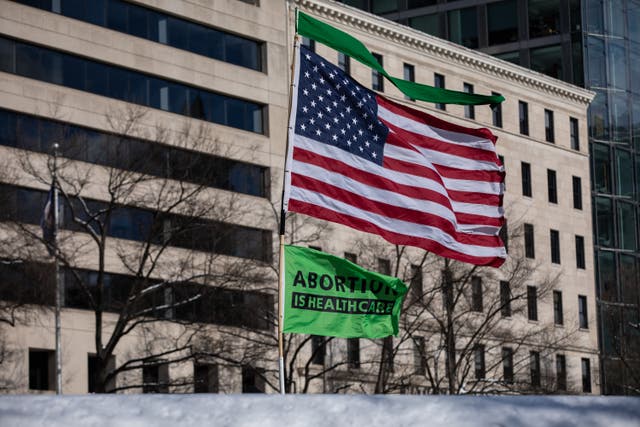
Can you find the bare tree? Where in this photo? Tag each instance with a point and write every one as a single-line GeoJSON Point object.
{"type": "Point", "coordinates": [145, 209]}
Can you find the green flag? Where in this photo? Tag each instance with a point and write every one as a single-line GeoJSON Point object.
{"type": "Point", "coordinates": [343, 42]}
{"type": "Point", "coordinates": [330, 296]}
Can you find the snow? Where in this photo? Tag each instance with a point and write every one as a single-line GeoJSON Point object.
{"type": "Point", "coordinates": [316, 410]}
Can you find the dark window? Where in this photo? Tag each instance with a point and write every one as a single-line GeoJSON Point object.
{"type": "Point", "coordinates": [552, 186]}
{"type": "Point", "coordinates": [583, 314]}
{"type": "Point", "coordinates": [155, 377]}
{"type": "Point", "coordinates": [580, 259]}
{"type": "Point", "coordinates": [532, 303]}
{"type": "Point", "coordinates": [502, 20]}
{"type": "Point", "coordinates": [463, 27]}
{"type": "Point", "coordinates": [601, 158]}
{"type": "Point", "coordinates": [159, 27]}
{"type": "Point", "coordinates": [469, 110]}
{"type": "Point", "coordinates": [93, 373]}
{"type": "Point", "coordinates": [409, 74]}
{"type": "Point", "coordinates": [353, 352]}
{"type": "Point", "coordinates": [555, 246]}
{"type": "Point", "coordinates": [309, 44]}
{"type": "Point", "coordinates": [318, 350]}
{"type": "Point", "coordinates": [586, 375]}
{"type": "Point", "coordinates": [476, 293]}
{"type": "Point", "coordinates": [252, 379]}
{"type": "Point", "coordinates": [351, 257]}
{"type": "Point", "coordinates": [534, 368]}
{"type": "Point", "coordinates": [529, 244]}
{"type": "Point", "coordinates": [478, 362]}
{"type": "Point", "coordinates": [112, 81]}
{"type": "Point", "coordinates": [547, 60]}
{"type": "Point", "coordinates": [205, 378]}
{"type": "Point", "coordinates": [504, 235]}
{"type": "Point", "coordinates": [42, 369]}
{"type": "Point", "coordinates": [386, 6]}
{"type": "Point", "coordinates": [523, 111]}
{"type": "Point", "coordinates": [544, 18]}
{"type": "Point", "coordinates": [526, 179]}
{"type": "Point", "coordinates": [577, 192]}
{"type": "Point", "coordinates": [387, 354]}
{"type": "Point", "coordinates": [419, 356]}
{"type": "Point", "coordinates": [384, 266]}
{"type": "Point", "coordinates": [561, 372]}
{"type": "Point", "coordinates": [415, 287]}
{"type": "Point", "coordinates": [344, 63]}
{"type": "Point", "coordinates": [574, 133]}
{"type": "Point", "coordinates": [505, 298]}
{"type": "Point", "coordinates": [558, 317]}
{"type": "Point", "coordinates": [549, 133]}
{"type": "Point", "coordinates": [507, 364]}
{"type": "Point", "coordinates": [429, 24]}
{"type": "Point", "coordinates": [377, 79]}
{"type": "Point", "coordinates": [604, 214]}
{"type": "Point", "coordinates": [496, 112]}
{"type": "Point", "coordinates": [438, 81]}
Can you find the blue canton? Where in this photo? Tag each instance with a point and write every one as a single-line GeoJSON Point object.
{"type": "Point", "coordinates": [334, 109]}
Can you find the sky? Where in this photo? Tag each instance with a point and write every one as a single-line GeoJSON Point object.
{"type": "Point", "coordinates": [191, 410]}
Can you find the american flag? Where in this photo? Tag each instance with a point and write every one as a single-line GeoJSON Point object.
{"type": "Point", "coordinates": [362, 160]}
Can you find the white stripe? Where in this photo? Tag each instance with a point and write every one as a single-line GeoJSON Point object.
{"type": "Point", "coordinates": [451, 137]}
{"type": "Point", "coordinates": [396, 226]}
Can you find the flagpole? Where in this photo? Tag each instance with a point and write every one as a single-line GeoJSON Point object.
{"type": "Point", "coordinates": [57, 273]}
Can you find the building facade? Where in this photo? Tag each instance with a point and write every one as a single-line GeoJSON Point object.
{"type": "Point", "coordinates": [120, 83]}
{"type": "Point", "coordinates": [594, 44]}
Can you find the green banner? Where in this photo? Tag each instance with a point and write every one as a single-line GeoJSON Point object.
{"type": "Point", "coordinates": [343, 42]}
{"type": "Point", "coordinates": [330, 296]}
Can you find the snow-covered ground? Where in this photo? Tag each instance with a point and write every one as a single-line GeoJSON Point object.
{"type": "Point", "coordinates": [317, 410]}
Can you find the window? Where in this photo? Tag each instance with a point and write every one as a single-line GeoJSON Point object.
{"type": "Point", "coordinates": [42, 369]}
{"type": "Point", "coordinates": [344, 63]}
{"type": "Point", "coordinates": [532, 303]}
{"type": "Point", "coordinates": [574, 134]}
{"type": "Point", "coordinates": [463, 27]}
{"type": "Point", "coordinates": [547, 60]}
{"type": "Point", "coordinates": [205, 378]}
{"type": "Point", "coordinates": [507, 364]}
{"type": "Point", "coordinates": [351, 257]}
{"type": "Point", "coordinates": [132, 86]}
{"type": "Point", "coordinates": [555, 246]}
{"type": "Point", "coordinates": [384, 266]}
{"type": "Point", "coordinates": [409, 74]}
{"type": "Point", "coordinates": [469, 110]}
{"type": "Point", "coordinates": [158, 27]}
{"type": "Point", "coordinates": [377, 80]}
{"type": "Point", "coordinates": [548, 126]}
{"type": "Point", "coordinates": [580, 260]}
{"type": "Point", "coordinates": [387, 353]}
{"type": "Point", "coordinates": [505, 299]}
{"type": "Point", "coordinates": [429, 24]}
{"type": "Point", "coordinates": [529, 244]}
{"type": "Point", "coordinates": [309, 44]}
{"type": "Point", "coordinates": [93, 371]}
{"type": "Point", "coordinates": [419, 356]}
{"type": "Point", "coordinates": [582, 312]}
{"type": "Point", "coordinates": [353, 353]}
{"type": "Point", "coordinates": [557, 308]}
{"type": "Point", "coordinates": [415, 287]}
{"type": "Point", "coordinates": [252, 379]}
{"type": "Point", "coordinates": [552, 186]}
{"type": "Point", "coordinates": [476, 293]}
{"type": "Point", "coordinates": [577, 192]}
{"type": "Point", "coordinates": [502, 22]}
{"type": "Point", "coordinates": [586, 375]}
{"type": "Point", "coordinates": [317, 350]}
{"type": "Point", "coordinates": [526, 179]}
{"type": "Point", "coordinates": [496, 112]}
{"type": "Point", "coordinates": [561, 372]}
{"type": "Point", "coordinates": [523, 110]}
{"type": "Point", "coordinates": [534, 368]}
{"type": "Point", "coordinates": [438, 81]}
{"type": "Point", "coordinates": [155, 377]}
{"type": "Point", "coordinates": [478, 362]}
{"type": "Point", "coordinates": [544, 18]}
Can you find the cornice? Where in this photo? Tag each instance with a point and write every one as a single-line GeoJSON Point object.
{"type": "Point", "coordinates": [442, 49]}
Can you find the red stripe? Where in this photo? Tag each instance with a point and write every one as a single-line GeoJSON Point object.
{"type": "Point", "coordinates": [475, 175]}
{"type": "Point", "coordinates": [423, 141]}
{"type": "Point", "coordinates": [430, 120]}
{"type": "Point", "coordinates": [394, 238]}
{"type": "Point", "coordinates": [392, 211]}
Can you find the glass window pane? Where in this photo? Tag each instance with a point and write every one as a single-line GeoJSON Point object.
{"type": "Point", "coordinates": [620, 118]}
{"type": "Point", "coordinates": [513, 57]}
{"type": "Point", "coordinates": [117, 16]}
{"type": "Point", "coordinates": [607, 276]}
{"type": "Point", "coordinates": [138, 25]}
{"type": "Point", "coordinates": [615, 15]}
{"type": "Point", "coordinates": [7, 58]}
{"type": "Point", "coordinates": [635, 121]}
{"type": "Point", "coordinates": [627, 225]}
{"type": "Point", "coordinates": [599, 116]}
{"type": "Point", "coordinates": [463, 27]}
{"type": "Point", "coordinates": [633, 20]}
{"type": "Point", "coordinates": [604, 213]}
{"type": "Point", "coordinates": [384, 6]}
{"type": "Point", "coordinates": [597, 65]}
{"type": "Point", "coordinates": [595, 16]}
{"type": "Point", "coordinates": [544, 18]}
{"type": "Point", "coordinates": [617, 63]}
{"type": "Point", "coordinates": [502, 22]}
{"type": "Point", "coordinates": [547, 60]}
{"type": "Point", "coordinates": [177, 33]}
{"type": "Point", "coordinates": [634, 64]}
{"type": "Point", "coordinates": [429, 24]}
{"type": "Point", "coordinates": [628, 279]}
{"type": "Point", "coordinates": [624, 173]}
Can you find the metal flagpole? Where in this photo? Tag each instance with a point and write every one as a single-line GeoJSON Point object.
{"type": "Point", "coordinates": [57, 272]}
